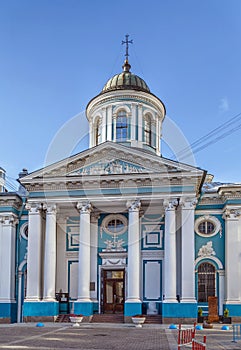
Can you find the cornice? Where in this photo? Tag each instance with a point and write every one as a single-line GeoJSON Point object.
{"type": "Point", "coordinates": [11, 200]}
{"type": "Point", "coordinates": [110, 181]}
{"type": "Point", "coordinates": [140, 96]}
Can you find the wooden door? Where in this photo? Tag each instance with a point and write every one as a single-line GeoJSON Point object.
{"type": "Point", "coordinates": [113, 291]}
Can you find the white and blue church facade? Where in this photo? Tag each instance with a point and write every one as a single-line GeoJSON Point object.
{"type": "Point", "coordinates": [118, 228]}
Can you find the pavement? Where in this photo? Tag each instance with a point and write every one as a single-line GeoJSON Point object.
{"type": "Point", "coordinates": [89, 336]}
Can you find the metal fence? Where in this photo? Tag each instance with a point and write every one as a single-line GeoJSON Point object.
{"type": "Point", "coordinates": [236, 332]}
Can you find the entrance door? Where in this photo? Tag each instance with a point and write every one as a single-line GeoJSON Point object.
{"type": "Point", "coordinates": [113, 291]}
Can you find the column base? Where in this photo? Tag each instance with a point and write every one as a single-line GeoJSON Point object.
{"type": "Point", "coordinates": [40, 310]}
{"type": "Point", "coordinates": [188, 300]}
{"type": "Point", "coordinates": [132, 308]}
{"type": "Point", "coordinates": [82, 307]}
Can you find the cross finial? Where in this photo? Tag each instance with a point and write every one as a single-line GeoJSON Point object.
{"type": "Point", "coordinates": [127, 42]}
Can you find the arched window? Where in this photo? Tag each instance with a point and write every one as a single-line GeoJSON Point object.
{"type": "Point", "coordinates": [97, 133]}
{"type": "Point", "coordinates": [206, 282]}
{"type": "Point", "coordinates": [147, 130]}
{"type": "Point", "coordinates": [121, 126]}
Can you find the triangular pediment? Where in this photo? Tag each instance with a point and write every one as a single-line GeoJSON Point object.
{"type": "Point", "coordinates": [110, 159]}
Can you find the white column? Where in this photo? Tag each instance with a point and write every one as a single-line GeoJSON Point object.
{"type": "Point", "coordinates": [109, 123]}
{"type": "Point", "coordinates": [232, 256]}
{"type": "Point", "coordinates": [133, 283]}
{"type": "Point", "coordinates": [103, 133]}
{"type": "Point", "coordinates": [140, 123]}
{"type": "Point", "coordinates": [157, 135]}
{"type": "Point", "coordinates": [170, 279]}
{"type": "Point", "coordinates": [188, 251]}
{"type": "Point", "coordinates": [84, 253]}
{"type": "Point", "coordinates": [114, 128]}
{"type": "Point", "coordinates": [50, 253]}
{"type": "Point", "coordinates": [91, 136]}
{"type": "Point", "coordinates": [7, 258]}
{"type": "Point", "coordinates": [93, 254]}
{"type": "Point", "coordinates": [221, 290]}
{"type": "Point", "coordinates": [20, 276]}
{"type": "Point", "coordinates": [34, 257]}
{"type": "Point", "coordinates": [133, 122]}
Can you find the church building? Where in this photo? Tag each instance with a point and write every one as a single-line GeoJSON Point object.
{"type": "Point", "coordinates": [118, 228]}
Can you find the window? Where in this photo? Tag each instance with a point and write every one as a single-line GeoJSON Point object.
{"type": "Point", "coordinates": [97, 133]}
{"type": "Point", "coordinates": [206, 282]}
{"type": "Point", "coordinates": [206, 227]}
{"type": "Point", "coordinates": [115, 226]}
{"type": "Point", "coordinates": [121, 126]}
{"type": "Point", "coordinates": [147, 130]}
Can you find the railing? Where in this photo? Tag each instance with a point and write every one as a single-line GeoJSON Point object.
{"type": "Point", "coordinates": [185, 336]}
{"type": "Point", "coordinates": [236, 332]}
{"type": "Point", "coordinates": [198, 345]}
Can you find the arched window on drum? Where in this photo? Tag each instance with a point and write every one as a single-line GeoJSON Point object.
{"type": "Point", "coordinates": [147, 130]}
{"type": "Point", "coordinates": [206, 282]}
{"type": "Point", "coordinates": [121, 126]}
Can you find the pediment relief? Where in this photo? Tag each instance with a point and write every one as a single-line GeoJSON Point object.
{"type": "Point", "coordinates": [109, 166]}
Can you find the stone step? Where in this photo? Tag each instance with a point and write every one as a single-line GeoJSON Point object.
{"type": "Point", "coordinates": [62, 318]}
{"type": "Point", "coordinates": [107, 318]}
{"type": "Point", "coordinates": [153, 319]}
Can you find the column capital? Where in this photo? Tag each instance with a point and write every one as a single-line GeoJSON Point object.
{"type": "Point", "coordinates": [84, 207]}
{"type": "Point", "coordinates": [170, 204]}
{"type": "Point", "coordinates": [33, 208]}
{"type": "Point", "coordinates": [133, 205]}
{"type": "Point", "coordinates": [50, 208]}
{"type": "Point", "coordinates": [231, 214]}
{"type": "Point", "coordinates": [188, 203]}
{"type": "Point", "coordinates": [8, 220]}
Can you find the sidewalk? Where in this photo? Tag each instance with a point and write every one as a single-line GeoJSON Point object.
{"type": "Point", "coordinates": [104, 337]}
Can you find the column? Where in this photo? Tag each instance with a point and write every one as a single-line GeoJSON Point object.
{"type": "Point", "coordinates": [170, 252]}
{"type": "Point", "coordinates": [114, 128]}
{"type": "Point", "coordinates": [91, 136]}
{"type": "Point", "coordinates": [50, 253]}
{"type": "Point", "coordinates": [133, 122]}
{"type": "Point", "coordinates": [188, 250]}
{"type": "Point", "coordinates": [93, 255]}
{"type": "Point", "coordinates": [133, 277]}
{"type": "Point", "coordinates": [34, 258]}
{"type": "Point", "coordinates": [109, 123]}
{"type": "Point", "coordinates": [84, 261]}
{"type": "Point", "coordinates": [7, 258]}
{"type": "Point", "coordinates": [221, 290]}
{"type": "Point", "coordinates": [104, 122]}
{"type": "Point", "coordinates": [140, 123]}
{"type": "Point", "coordinates": [157, 135]}
{"type": "Point", "coordinates": [232, 255]}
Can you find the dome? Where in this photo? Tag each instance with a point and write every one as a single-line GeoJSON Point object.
{"type": "Point", "coordinates": [126, 81]}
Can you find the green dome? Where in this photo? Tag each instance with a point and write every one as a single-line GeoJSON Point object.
{"type": "Point", "coordinates": [126, 81]}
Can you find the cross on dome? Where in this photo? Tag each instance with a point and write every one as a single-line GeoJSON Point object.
{"type": "Point", "coordinates": [126, 66]}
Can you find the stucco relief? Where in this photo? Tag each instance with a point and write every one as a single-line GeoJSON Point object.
{"type": "Point", "coordinates": [207, 250]}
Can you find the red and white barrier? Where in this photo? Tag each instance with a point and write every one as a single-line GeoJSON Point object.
{"type": "Point", "coordinates": [197, 345]}
{"type": "Point", "coordinates": [185, 335]}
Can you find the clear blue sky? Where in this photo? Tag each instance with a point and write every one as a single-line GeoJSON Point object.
{"type": "Point", "coordinates": [56, 55]}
